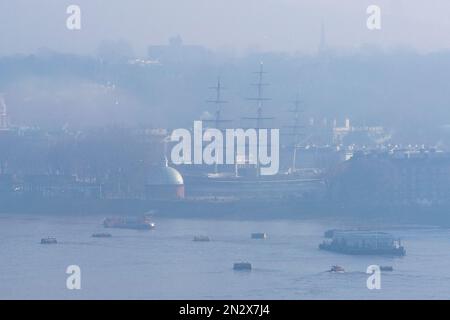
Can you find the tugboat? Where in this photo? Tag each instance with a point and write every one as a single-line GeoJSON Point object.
{"type": "Point", "coordinates": [49, 240]}
{"type": "Point", "coordinates": [101, 235]}
{"type": "Point", "coordinates": [337, 269]}
{"type": "Point", "coordinates": [364, 243]}
{"type": "Point", "coordinates": [201, 239]}
{"type": "Point", "coordinates": [242, 266]}
{"type": "Point", "coordinates": [141, 223]}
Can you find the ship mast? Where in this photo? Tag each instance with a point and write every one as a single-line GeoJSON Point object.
{"type": "Point", "coordinates": [260, 99]}
{"type": "Point", "coordinates": [296, 127]}
{"type": "Point", "coordinates": [218, 102]}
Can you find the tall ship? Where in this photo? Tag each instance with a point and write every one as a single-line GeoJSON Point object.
{"type": "Point", "coordinates": [243, 181]}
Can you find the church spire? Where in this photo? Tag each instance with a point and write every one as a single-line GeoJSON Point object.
{"type": "Point", "coordinates": [323, 41]}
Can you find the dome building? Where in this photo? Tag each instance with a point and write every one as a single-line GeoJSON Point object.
{"type": "Point", "coordinates": [164, 182]}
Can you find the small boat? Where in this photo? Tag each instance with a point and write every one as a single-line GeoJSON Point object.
{"type": "Point", "coordinates": [259, 235]}
{"type": "Point", "coordinates": [140, 223]}
{"type": "Point", "coordinates": [201, 239]}
{"type": "Point", "coordinates": [386, 268]}
{"type": "Point", "coordinates": [49, 240]}
{"type": "Point", "coordinates": [242, 266]}
{"type": "Point", "coordinates": [101, 235]}
{"type": "Point", "coordinates": [337, 269]}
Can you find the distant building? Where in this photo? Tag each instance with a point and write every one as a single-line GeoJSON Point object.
{"type": "Point", "coordinates": [177, 52]}
{"type": "Point", "coordinates": [4, 119]}
{"type": "Point", "coordinates": [359, 135]}
{"type": "Point", "coordinates": [340, 132]}
{"type": "Point", "coordinates": [59, 186]}
{"type": "Point", "coordinates": [400, 177]}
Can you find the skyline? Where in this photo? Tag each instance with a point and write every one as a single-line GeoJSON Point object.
{"type": "Point", "coordinates": [238, 27]}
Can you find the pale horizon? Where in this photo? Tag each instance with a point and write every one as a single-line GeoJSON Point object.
{"type": "Point", "coordinates": [232, 26]}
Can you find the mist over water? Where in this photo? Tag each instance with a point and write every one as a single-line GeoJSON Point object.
{"type": "Point", "coordinates": [157, 73]}
{"type": "Point", "coordinates": [389, 89]}
{"type": "Point", "coordinates": [86, 115]}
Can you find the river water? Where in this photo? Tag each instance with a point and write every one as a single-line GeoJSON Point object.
{"type": "Point", "coordinates": [165, 263]}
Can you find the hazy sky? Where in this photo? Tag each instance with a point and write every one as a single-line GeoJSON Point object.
{"type": "Point", "coordinates": [280, 25]}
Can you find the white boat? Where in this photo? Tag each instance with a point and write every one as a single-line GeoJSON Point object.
{"type": "Point", "coordinates": [259, 235]}
{"type": "Point", "coordinates": [337, 269]}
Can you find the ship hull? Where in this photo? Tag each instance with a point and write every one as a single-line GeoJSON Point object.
{"type": "Point", "coordinates": [364, 251]}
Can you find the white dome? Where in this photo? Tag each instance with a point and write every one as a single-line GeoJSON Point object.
{"type": "Point", "coordinates": [164, 176]}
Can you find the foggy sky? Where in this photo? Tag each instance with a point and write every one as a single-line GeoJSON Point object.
{"type": "Point", "coordinates": [235, 25]}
